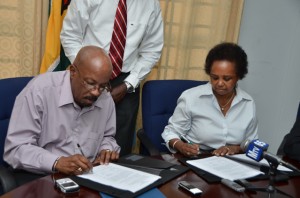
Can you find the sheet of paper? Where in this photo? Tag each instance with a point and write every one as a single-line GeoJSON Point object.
{"type": "Point", "coordinates": [246, 159]}
{"type": "Point", "coordinates": [225, 168]}
{"type": "Point", "coordinates": [121, 177]}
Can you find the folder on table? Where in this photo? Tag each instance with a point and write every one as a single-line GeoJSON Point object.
{"type": "Point", "coordinates": [165, 170]}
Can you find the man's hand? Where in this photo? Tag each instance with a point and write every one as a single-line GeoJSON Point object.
{"type": "Point", "coordinates": [73, 165]}
{"type": "Point", "coordinates": [106, 156]}
{"type": "Point", "coordinates": [119, 92]}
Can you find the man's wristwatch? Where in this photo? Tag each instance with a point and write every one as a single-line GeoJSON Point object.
{"type": "Point", "coordinates": [129, 87]}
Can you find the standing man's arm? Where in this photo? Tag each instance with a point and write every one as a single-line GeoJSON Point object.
{"type": "Point", "coordinates": [74, 26]}
{"type": "Point", "coordinates": [149, 52]}
{"type": "Point", "coordinates": [149, 49]}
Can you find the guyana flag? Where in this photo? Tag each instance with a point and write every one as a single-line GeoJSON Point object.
{"type": "Point", "coordinates": [54, 58]}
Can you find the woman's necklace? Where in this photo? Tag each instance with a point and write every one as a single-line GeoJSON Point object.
{"type": "Point", "coordinates": [223, 107]}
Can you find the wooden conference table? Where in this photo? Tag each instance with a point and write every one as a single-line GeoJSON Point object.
{"type": "Point", "coordinates": [44, 187]}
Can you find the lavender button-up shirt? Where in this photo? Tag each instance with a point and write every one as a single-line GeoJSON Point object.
{"type": "Point", "coordinates": [46, 123]}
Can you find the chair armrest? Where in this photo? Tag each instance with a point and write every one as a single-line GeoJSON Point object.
{"type": "Point", "coordinates": [146, 142]}
{"type": "Point", "coordinates": [7, 180]}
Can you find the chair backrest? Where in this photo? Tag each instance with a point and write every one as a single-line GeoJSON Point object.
{"type": "Point", "coordinates": [159, 99]}
{"type": "Point", "coordinates": [298, 114]}
{"type": "Point", "coordinates": [280, 150]}
{"type": "Point", "coordinates": [9, 89]}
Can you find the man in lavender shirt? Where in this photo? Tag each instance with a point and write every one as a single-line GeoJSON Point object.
{"type": "Point", "coordinates": [65, 121]}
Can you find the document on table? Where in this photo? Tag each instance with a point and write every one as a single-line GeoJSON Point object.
{"type": "Point", "coordinates": [245, 159]}
{"type": "Point", "coordinates": [225, 168]}
{"type": "Point", "coordinates": [121, 177]}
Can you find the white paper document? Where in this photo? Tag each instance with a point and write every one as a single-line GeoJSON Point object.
{"type": "Point", "coordinates": [225, 168]}
{"type": "Point", "coordinates": [244, 158]}
{"type": "Point", "coordinates": [121, 177]}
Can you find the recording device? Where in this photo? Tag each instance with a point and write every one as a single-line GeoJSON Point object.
{"type": "Point", "coordinates": [67, 185]}
{"type": "Point", "coordinates": [189, 187]}
{"type": "Point", "coordinates": [233, 185]}
{"type": "Point", "coordinates": [257, 150]}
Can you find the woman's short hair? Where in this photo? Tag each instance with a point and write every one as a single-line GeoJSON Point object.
{"type": "Point", "coordinates": [230, 52]}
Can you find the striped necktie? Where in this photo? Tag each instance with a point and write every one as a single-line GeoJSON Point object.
{"type": "Point", "coordinates": [118, 40]}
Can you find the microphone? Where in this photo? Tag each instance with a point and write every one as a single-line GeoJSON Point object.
{"type": "Point", "coordinates": [257, 150]}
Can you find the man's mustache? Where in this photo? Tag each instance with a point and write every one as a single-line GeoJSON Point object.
{"type": "Point", "coordinates": [92, 98]}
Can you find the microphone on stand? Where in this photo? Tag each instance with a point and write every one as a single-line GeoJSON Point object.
{"type": "Point", "coordinates": [257, 150]}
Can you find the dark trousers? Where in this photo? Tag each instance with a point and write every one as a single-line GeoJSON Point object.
{"type": "Point", "coordinates": [23, 177]}
{"type": "Point", "coordinates": [126, 112]}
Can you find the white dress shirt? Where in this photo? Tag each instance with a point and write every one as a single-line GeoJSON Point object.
{"type": "Point", "coordinates": [90, 22]}
{"type": "Point", "coordinates": [199, 117]}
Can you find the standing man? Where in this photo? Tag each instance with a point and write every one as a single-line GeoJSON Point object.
{"type": "Point", "coordinates": [131, 32]}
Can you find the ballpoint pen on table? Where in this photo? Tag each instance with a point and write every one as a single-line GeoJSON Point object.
{"type": "Point", "coordinates": [78, 145]}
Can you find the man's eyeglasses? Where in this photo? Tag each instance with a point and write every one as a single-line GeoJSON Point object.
{"type": "Point", "coordinates": [93, 87]}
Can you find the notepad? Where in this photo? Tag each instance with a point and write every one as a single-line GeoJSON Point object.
{"type": "Point", "coordinates": [121, 177]}
{"type": "Point", "coordinates": [225, 168]}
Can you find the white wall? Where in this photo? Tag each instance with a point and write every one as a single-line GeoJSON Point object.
{"type": "Point", "coordinates": [270, 35]}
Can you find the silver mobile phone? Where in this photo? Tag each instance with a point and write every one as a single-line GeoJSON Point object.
{"type": "Point", "coordinates": [189, 187]}
{"type": "Point", "coordinates": [67, 185]}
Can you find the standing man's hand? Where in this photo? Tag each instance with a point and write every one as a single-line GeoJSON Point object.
{"type": "Point", "coordinates": [73, 165]}
{"type": "Point", "coordinates": [106, 156]}
{"type": "Point", "coordinates": [119, 92]}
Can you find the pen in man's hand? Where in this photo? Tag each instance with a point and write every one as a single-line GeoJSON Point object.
{"type": "Point", "coordinates": [91, 170]}
{"type": "Point", "coordinates": [80, 150]}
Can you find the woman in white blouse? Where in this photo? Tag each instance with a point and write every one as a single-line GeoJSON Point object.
{"type": "Point", "coordinates": [218, 116]}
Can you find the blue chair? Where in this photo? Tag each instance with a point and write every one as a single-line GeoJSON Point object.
{"type": "Point", "coordinates": [280, 150]}
{"type": "Point", "coordinates": [9, 89]}
{"type": "Point", "coordinates": [159, 99]}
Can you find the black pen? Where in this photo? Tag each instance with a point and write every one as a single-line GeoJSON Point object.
{"type": "Point", "coordinates": [91, 170]}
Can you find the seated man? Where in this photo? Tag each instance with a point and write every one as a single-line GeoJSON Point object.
{"type": "Point", "coordinates": [292, 145]}
{"type": "Point", "coordinates": [65, 121]}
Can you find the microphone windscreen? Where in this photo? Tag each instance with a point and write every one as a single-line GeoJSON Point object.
{"type": "Point", "coordinates": [256, 149]}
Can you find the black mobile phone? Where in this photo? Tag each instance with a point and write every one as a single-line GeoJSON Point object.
{"type": "Point", "coordinates": [189, 187]}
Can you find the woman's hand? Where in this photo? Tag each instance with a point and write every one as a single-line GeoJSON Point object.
{"type": "Point", "coordinates": [227, 150]}
{"type": "Point", "coordinates": [186, 148]}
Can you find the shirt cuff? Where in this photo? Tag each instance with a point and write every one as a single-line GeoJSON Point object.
{"type": "Point", "coordinates": [133, 80]}
{"type": "Point", "coordinates": [170, 149]}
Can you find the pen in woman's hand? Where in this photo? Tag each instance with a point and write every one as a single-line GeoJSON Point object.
{"type": "Point", "coordinates": [91, 170]}
{"type": "Point", "coordinates": [184, 139]}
